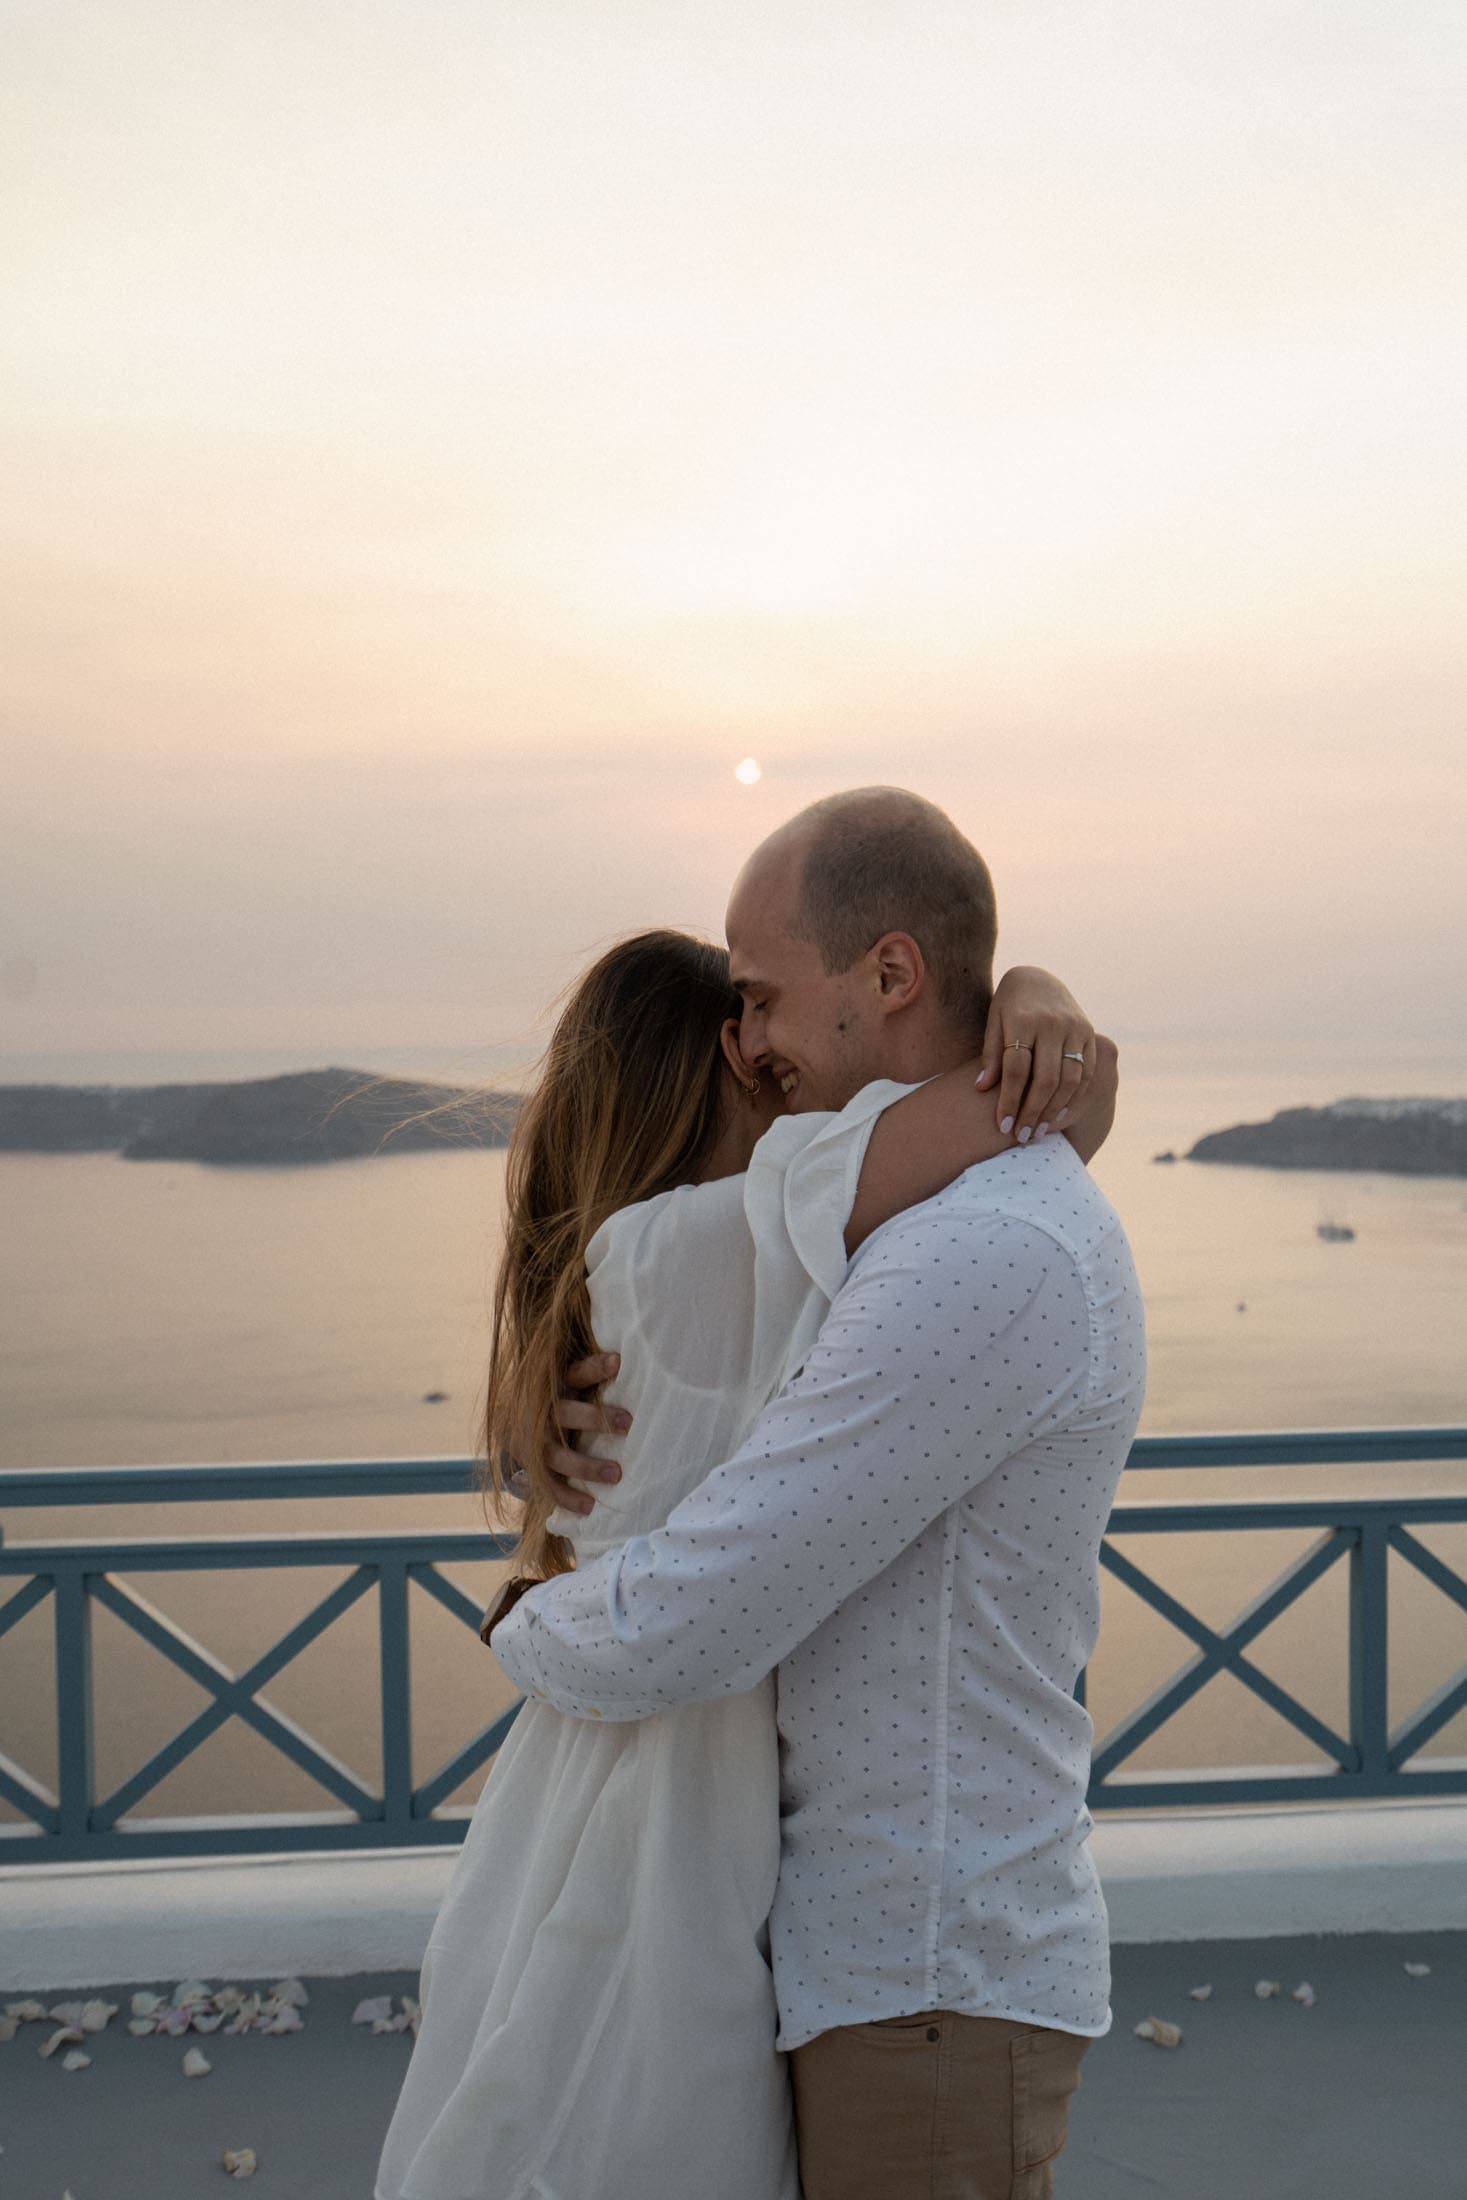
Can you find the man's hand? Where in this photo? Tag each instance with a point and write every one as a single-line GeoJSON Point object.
{"type": "Point", "coordinates": [1039, 1050]}
{"type": "Point", "coordinates": [581, 1415]}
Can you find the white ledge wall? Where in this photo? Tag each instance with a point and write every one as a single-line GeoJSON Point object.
{"type": "Point", "coordinates": [1173, 1875]}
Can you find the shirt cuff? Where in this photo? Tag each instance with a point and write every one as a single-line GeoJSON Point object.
{"type": "Point", "coordinates": [517, 1643]}
{"type": "Point", "coordinates": [513, 1645]}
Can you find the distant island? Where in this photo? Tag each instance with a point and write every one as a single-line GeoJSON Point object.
{"type": "Point", "coordinates": [1406, 1137]}
{"type": "Point", "coordinates": [310, 1115]}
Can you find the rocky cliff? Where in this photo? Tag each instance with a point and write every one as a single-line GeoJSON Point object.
{"type": "Point", "coordinates": [311, 1115]}
{"type": "Point", "coordinates": [1407, 1137]}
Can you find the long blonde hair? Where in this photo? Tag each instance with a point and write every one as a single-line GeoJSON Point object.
{"type": "Point", "coordinates": [630, 1103]}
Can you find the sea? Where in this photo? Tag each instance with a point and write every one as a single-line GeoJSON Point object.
{"type": "Point", "coordinates": [157, 1312]}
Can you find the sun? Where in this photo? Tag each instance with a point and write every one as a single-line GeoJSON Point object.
{"type": "Point", "coordinates": [747, 773]}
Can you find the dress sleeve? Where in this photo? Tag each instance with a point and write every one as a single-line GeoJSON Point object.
{"type": "Point", "coordinates": [798, 1195]}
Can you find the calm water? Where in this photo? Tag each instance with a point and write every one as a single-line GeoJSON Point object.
{"type": "Point", "coordinates": [171, 1312]}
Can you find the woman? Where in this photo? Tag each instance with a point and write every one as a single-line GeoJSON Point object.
{"type": "Point", "coordinates": [598, 2014]}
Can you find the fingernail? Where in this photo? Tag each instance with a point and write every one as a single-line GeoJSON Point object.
{"type": "Point", "coordinates": [1041, 1130]}
{"type": "Point", "coordinates": [1062, 1114]}
{"type": "Point", "coordinates": [620, 1418]}
{"type": "Point", "coordinates": [981, 1078]}
{"type": "Point", "coordinates": [1025, 1135]}
{"type": "Point", "coordinates": [1006, 1125]}
{"type": "Point", "coordinates": [613, 1361]}
{"type": "Point", "coordinates": [611, 1473]}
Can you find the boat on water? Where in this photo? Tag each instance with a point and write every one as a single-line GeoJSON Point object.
{"type": "Point", "coordinates": [1334, 1233]}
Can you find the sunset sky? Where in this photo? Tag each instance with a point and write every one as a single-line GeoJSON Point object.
{"type": "Point", "coordinates": [442, 441]}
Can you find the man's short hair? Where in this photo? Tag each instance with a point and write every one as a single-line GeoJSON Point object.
{"type": "Point", "coordinates": [880, 860]}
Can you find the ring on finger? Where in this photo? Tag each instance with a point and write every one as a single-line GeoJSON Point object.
{"type": "Point", "coordinates": [1072, 1057]}
{"type": "Point", "coordinates": [1024, 1046]}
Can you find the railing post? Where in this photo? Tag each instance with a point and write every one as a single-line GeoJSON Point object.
{"type": "Point", "coordinates": [397, 1706]}
{"type": "Point", "coordinates": [75, 1754]}
{"type": "Point", "coordinates": [1369, 1638]}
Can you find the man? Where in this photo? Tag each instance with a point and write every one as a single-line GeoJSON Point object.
{"type": "Point", "coordinates": [910, 1535]}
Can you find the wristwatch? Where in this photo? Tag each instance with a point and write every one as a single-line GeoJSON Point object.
{"type": "Point", "coordinates": [508, 1597]}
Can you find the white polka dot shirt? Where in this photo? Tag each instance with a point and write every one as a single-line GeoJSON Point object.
{"type": "Point", "coordinates": [910, 1535]}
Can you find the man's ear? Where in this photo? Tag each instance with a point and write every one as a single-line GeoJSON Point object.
{"type": "Point", "coordinates": [728, 1040]}
{"type": "Point", "coordinates": [899, 970]}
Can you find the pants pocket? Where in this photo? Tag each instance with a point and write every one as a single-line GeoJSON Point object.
{"type": "Point", "coordinates": [1046, 2071]}
{"type": "Point", "coordinates": [891, 2029]}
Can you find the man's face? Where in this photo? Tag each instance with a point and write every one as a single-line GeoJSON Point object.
{"type": "Point", "coordinates": [813, 1031]}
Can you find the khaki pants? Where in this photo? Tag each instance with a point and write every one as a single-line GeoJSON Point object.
{"type": "Point", "coordinates": [934, 2107]}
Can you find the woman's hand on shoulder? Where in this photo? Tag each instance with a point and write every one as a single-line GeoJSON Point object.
{"type": "Point", "coordinates": [1039, 1052]}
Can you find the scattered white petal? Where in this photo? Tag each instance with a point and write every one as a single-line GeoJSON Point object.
{"type": "Point", "coordinates": [140, 2027]}
{"type": "Point", "coordinates": [229, 1997]}
{"type": "Point", "coordinates": [196, 2063]}
{"type": "Point", "coordinates": [1199, 1993]}
{"type": "Point", "coordinates": [290, 1990]}
{"type": "Point", "coordinates": [368, 2012]}
{"type": "Point", "coordinates": [1417, 1970]}
{"type": "Point", "coordinates": [287, 2019]}
{"type": "Point", "coordinates": [1266, 1989]}
{"type": "Point", "coordinates": [1158, 2030]}
{"type": "Point", "coordinates": [25, 2012]}
{"type": "Point", "coordinates": [66, 2035]}
{"type": "Point", "coordinates": [191, 1990]}
{"type": "Point", "coordinates": [9, 2026]}
{"type": "Point", "coordinates": [240, 2161]}
{"type": "Point", "coordinates": [205, 2023]}
{"type": "Point", "coordinates": [173, 2023]}
{"type": "Point", "coordinates": [76, 2060]}
{"type": "Point", "coordinates": [246, 2016]}
{"type": "Point", "coordinates": [67, 2012]}
{"type": "Point", "coordinates": [97, 2015]}
{"type": "Point", "coordinates": [1304, 1994]}
{"type": "Point", "coordinates": [147, 2005]}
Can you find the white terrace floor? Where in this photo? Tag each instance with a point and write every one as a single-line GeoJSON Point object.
{"type": "Point", "coordinates": [1362, 2096]}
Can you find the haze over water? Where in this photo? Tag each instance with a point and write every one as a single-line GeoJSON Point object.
{"type": "Point", "coordinates": [443, 444]}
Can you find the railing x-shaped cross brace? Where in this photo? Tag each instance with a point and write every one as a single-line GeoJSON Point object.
{"type": "Point", "coordinates": [1221, 1650]}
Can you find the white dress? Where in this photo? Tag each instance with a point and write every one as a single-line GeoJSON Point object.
{"type": "Point", "coordinates": [598, 2014]}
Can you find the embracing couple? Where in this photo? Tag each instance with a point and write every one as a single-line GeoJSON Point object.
{"type": "Point", "coordinates": [780, 1884]}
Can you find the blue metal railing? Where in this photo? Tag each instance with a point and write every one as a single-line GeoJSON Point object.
{"type": "Point", "coordinates": [1369, 1760]}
